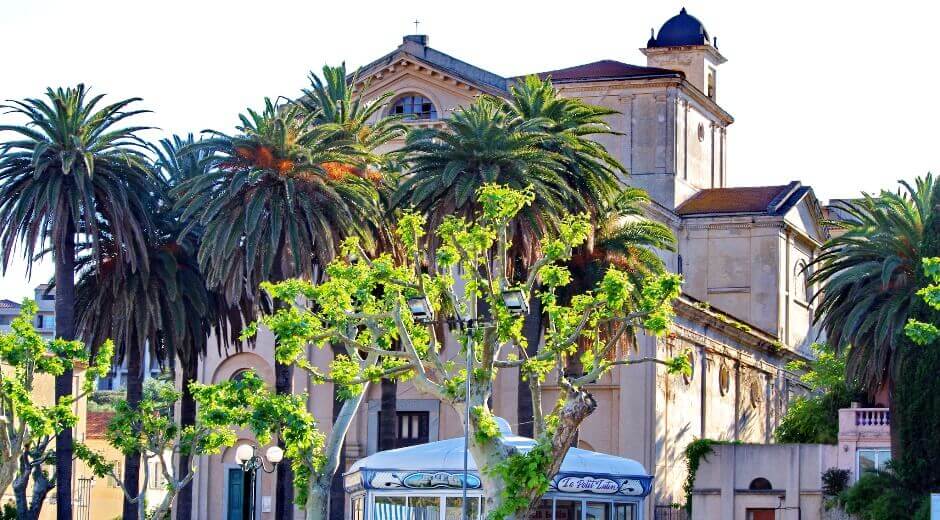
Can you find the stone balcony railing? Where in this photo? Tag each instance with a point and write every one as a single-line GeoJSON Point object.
{"type": "Point", "coordinates": [864, 422]}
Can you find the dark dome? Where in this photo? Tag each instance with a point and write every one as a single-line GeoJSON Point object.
{"type": "Point", "coordinates": [682, 29]}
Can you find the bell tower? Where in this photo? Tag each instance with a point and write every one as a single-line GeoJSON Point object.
{"type": "Point", "coordinates": [683, 44]}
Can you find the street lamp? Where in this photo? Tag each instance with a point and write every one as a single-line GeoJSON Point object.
{"type": "Point", "coordinates": [422, 312]}
{"type": "Point", "coordinates": [247, 457]}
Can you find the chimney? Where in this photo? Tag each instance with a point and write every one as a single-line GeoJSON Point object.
{"type": "Point", "coordinates": [419, 39]}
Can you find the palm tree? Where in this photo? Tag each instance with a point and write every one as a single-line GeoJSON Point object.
{"type": "Point", "coordinates": [589, 169]}
{"type": "Point", "coordinates": [71, 169]}
{"type": "Point", "coordinates": [483, 143]}
{"type": "Point", "coordinates": [165, 305]}
{"type": "Point", "coordinates": [197, 312]}
{"type": "Point", "coordinates": [332, 100]}
{"type": "Point", "coordinates": [867, 278]}
{"type": "Point", "coordinates": [275, 202]}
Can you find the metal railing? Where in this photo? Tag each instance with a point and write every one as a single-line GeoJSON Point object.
{"type": "Point", "coordinates": [669, 513]}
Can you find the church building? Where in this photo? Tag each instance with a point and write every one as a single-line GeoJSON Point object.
{"type": "Point", "coordinates": [746, 310]}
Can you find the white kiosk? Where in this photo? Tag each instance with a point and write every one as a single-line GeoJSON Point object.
{"type": "Point", "coordinates": [425, 482]}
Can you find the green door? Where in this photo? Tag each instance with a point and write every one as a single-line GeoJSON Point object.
{"type": "Point", "coordinates": [236, 494]}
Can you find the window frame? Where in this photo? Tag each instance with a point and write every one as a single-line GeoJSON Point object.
{"type": "Point", "coordinates": [413, 98]}
{"type": "Point", "coordinates": [883, 456]}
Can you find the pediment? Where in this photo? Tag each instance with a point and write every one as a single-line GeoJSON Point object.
{"type": "Point", "coordinates": [445, 91]}
{"type": "Point", "coordinates": [807, 216]}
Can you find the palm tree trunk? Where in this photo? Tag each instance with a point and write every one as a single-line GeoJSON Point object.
{"type": "Point", "coordinates": [284, 509]}
{"type": "Point", "coordinates": [135, 390]}
{"type": "Point", "coordinates": [532, 328]}
{"type": "Point", "coordinates": [388, 416]}
{"type": "Point", "coordinates": [65, 329]}
{"type": "Point", "coordinates": [184, 502]}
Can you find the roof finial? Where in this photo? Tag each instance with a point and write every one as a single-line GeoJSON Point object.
{"type": "Point", "coordinates": [416, 22]}
{"type": "Point", "coordinates": [682, 11]}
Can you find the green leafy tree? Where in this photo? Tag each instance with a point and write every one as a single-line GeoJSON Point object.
{"type": "Point", "coordinates": [70, 167]}
{"type": "Point", "coordinates": [151, 429]}
{"type": "Point", "coordinates": [363, 305]}
{"type": "Point", "coordinates": [571, 126]}
{"type": "Point", "coordinates": [27, 423]}
{"type": "Point", "coordinates": [332, 99]}
{"type": "Point", "coordinates": [535, 138]}
{"type": "Point", "coordinates": [814, 418]}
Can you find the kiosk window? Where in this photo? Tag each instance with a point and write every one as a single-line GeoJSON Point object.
{"type": "Point", "coordinates": [567, 510]}
{"type": "Point", "coordinates": [454, 509]}
{"type": "Point", "coordinates": [624, 511]}
{"type": "Point", "coordinates": [597, 511]}
{"type": "Point", "coordinates": [390, 507]}
{"type": "Point", "coordinates": [424, 508]}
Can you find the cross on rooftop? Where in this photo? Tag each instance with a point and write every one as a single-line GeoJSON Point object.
{"type": "Point", "coordinates": [416, 22]}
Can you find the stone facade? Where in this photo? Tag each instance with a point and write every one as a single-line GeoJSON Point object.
{"type": "Point", "coordinates": [746, 310]}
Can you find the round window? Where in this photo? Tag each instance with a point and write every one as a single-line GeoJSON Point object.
{"type": "Point", "coordinates": [724, 379]}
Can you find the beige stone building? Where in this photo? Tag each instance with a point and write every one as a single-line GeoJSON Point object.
{"type": "Point", "coordinates": [746, 310]}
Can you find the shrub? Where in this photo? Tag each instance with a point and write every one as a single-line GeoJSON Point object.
{"type": "Point", "coordinates": [834, 481]}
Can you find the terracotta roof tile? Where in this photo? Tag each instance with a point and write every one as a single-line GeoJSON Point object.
{"type": "Point", "coordinates": [97, 424]}
{"type": "Point", "coordinates": [751, 199]}
{"type": "Point", "coordinates": [605, 69]}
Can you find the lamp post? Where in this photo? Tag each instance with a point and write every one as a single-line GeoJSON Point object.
{"type": "Point", "coordinates": [247, 457]}
{"type": "Point", "coordinates": [421, 310]}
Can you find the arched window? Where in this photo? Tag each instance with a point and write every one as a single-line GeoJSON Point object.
{"type": "Point", "coordinates": [691, 375]}
{"type": "Point", "coordinates": [801, 286]}
{"type": "Point", "coordinates": [415, 107]}
{"type": "Point", "coordinates": [239, 374]}
{"type": "Point", "coordinates": [760, 484]}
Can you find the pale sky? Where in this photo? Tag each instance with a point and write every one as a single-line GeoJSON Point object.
{"type": "Point", "coordinates": [835, 94]}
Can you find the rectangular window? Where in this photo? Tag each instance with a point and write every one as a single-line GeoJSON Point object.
{"type": "Point", "coordinates": [411, 428]}
{"type": "Point", "coordinates": [543, 512]}
{"type": "Point", "coordinates": [390, 508]}
{"type": "Point", "coordinates": [872, 459]}
{"type": "Point", "coordinates": [567, 510]}
{"type": "Point", "coordinates": [597, 511]}
{"type": "Point", "coordinates": [424, 508]}
{"type": "Point", "coordinates": [454, 509]}
{"type": "Point", "coordinates": [625, 512]}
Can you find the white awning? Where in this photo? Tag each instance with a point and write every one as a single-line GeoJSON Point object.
{"type": "Point", "coordinates": [448, 455]}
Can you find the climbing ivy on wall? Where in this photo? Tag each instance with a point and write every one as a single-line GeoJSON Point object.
{"type": "Point", "coordinates": [696, 452]}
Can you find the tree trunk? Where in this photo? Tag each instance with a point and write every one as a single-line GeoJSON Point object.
{"type": "Point", "coordinates": [336, 461]}
{"type": "Point", "coordinates": [65, 329]}
{"type": "Point", "coordinates": [284, 501]}
{"type": "Point", "coordinates": [532, 328]}
{"type": "Point", "coordinates": [184, 503]}
{"type": "Point", "coordinates": [388, 416]}
{"type": "Point", "coordinates": [318, 504]}
{"type": "Point", "coordinates": [135, 387]}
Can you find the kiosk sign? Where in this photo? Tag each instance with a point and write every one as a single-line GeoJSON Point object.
{"type": "Point", "coordinates": [604, 486]}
